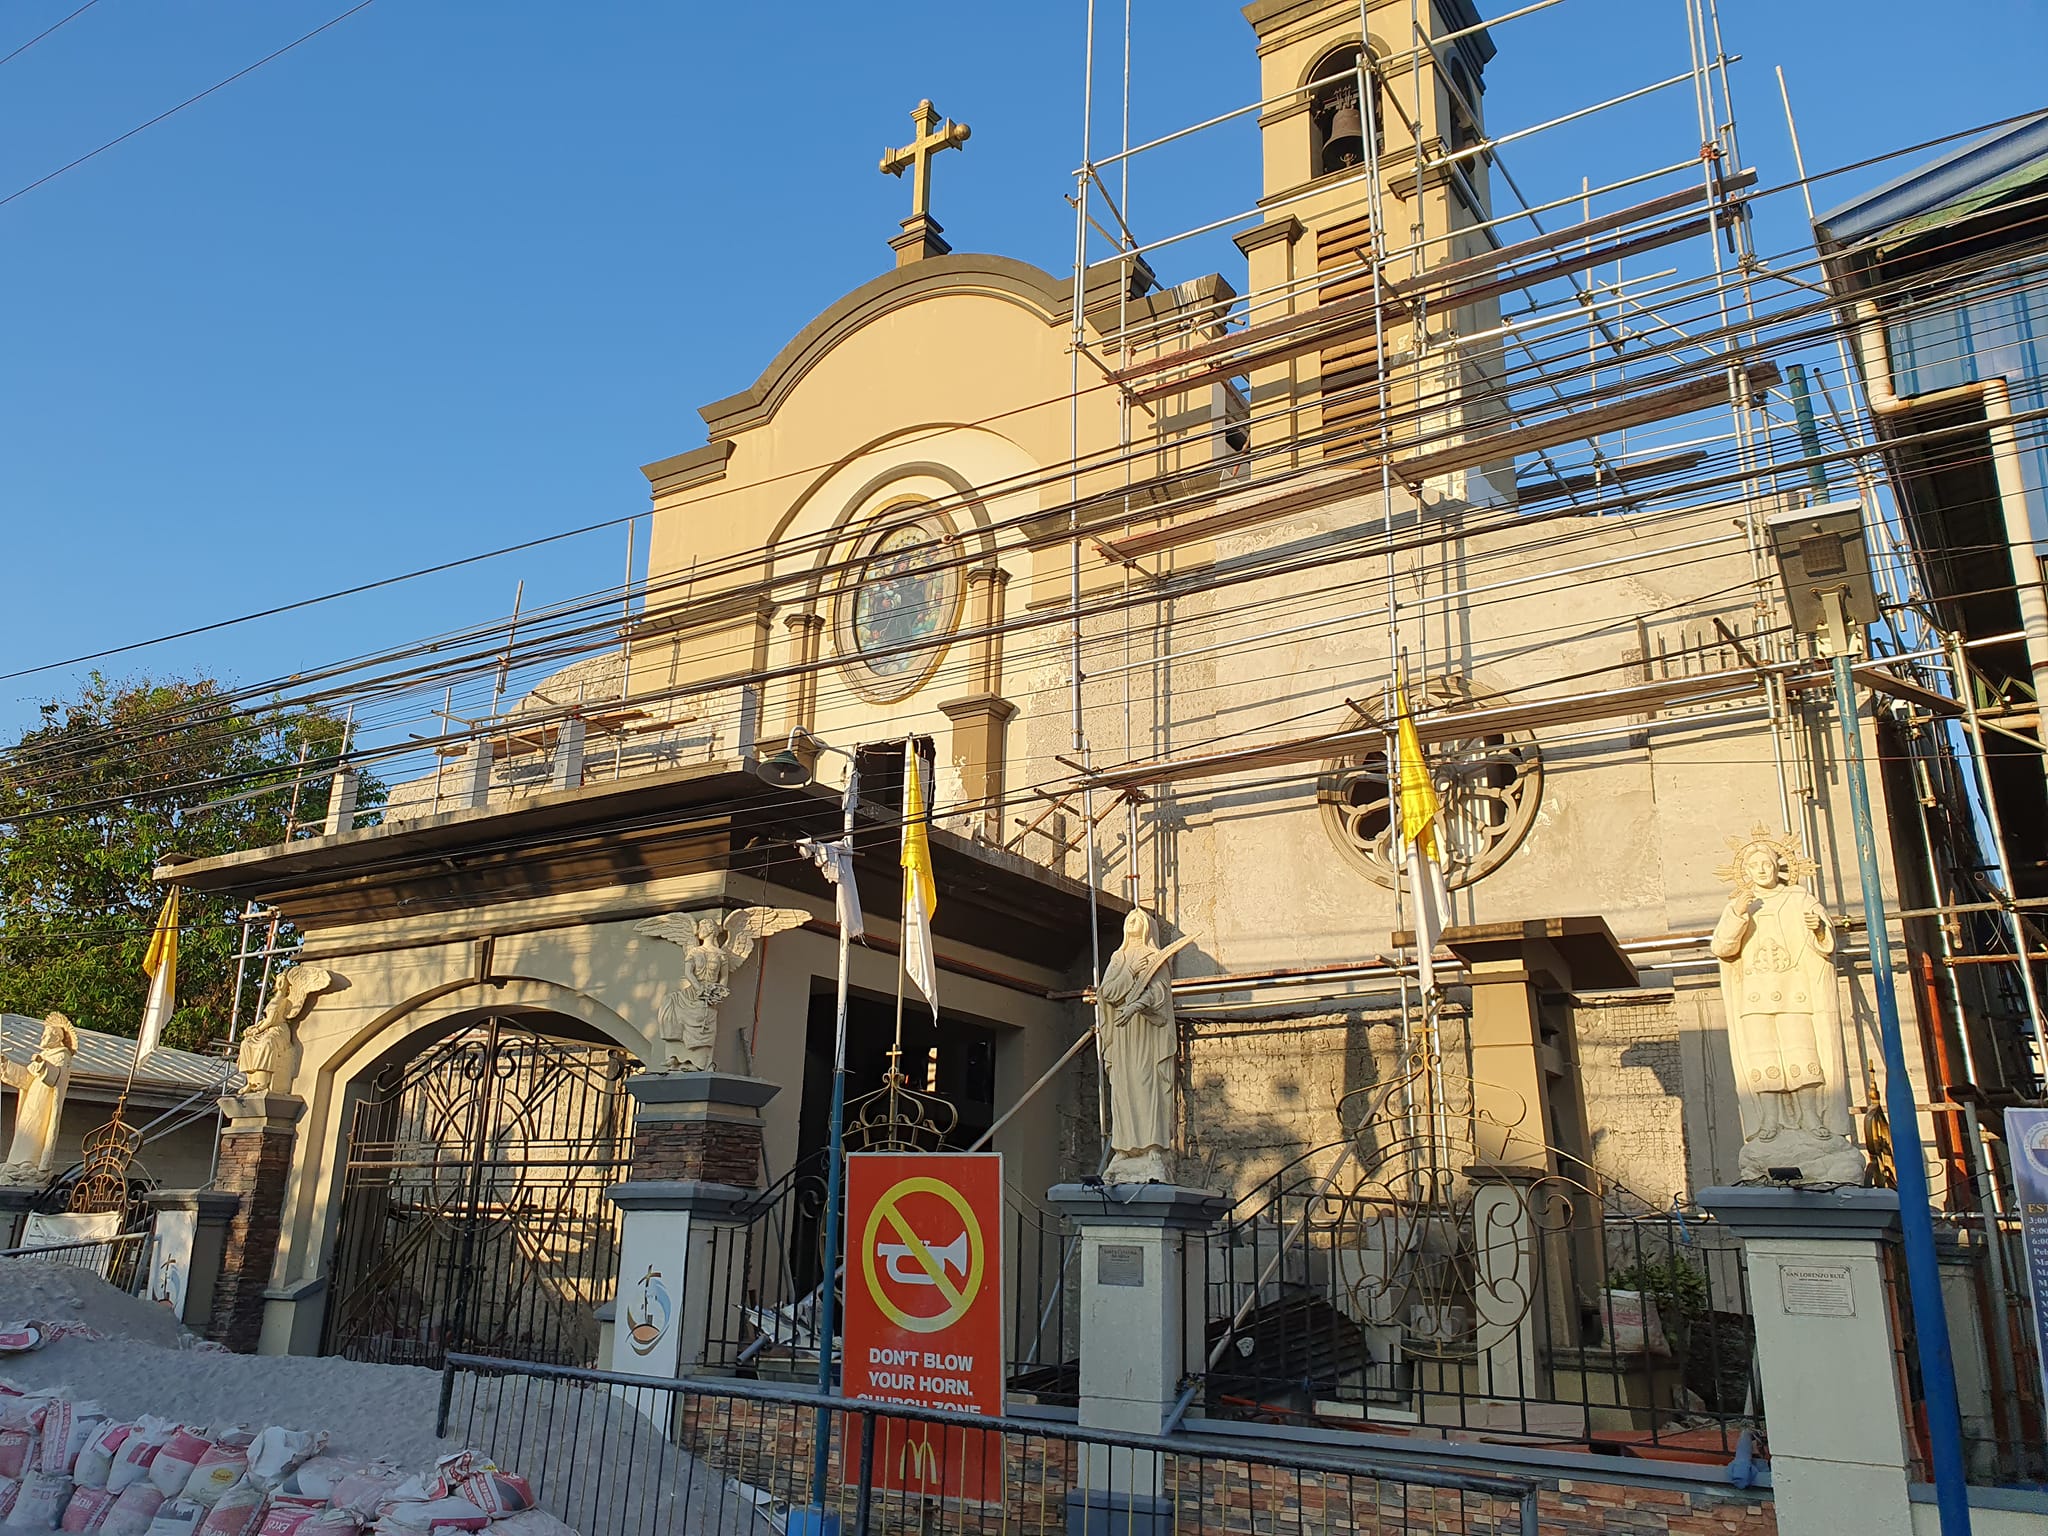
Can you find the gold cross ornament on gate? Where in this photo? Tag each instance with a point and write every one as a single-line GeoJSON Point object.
{"type": "Point", "coordinates": [934, 133]}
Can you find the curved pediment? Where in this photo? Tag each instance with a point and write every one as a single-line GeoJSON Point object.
{"type": "Point", "coordinates": [999, 277]}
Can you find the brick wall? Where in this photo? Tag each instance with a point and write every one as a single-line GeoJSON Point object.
{"type": "Point", "coordinates": [768, 1445]}
{"type": "Point", "coordinates": [254, 1165]}
{"type": "Point", "coordinates": [710, 1151]}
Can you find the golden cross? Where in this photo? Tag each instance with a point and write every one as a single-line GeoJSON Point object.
{"type": "Point", "coordinates": [933, 134]}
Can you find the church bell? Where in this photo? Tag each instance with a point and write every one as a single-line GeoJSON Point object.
{"type": "Point", "coordinates": [1344, 139]}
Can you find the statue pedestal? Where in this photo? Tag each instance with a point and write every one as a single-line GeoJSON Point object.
{"type": "Point", "coordinates": [700, 1127]}
{"type": "Point", "coordinates": [1143, 1329]}
{"type": "Point", "coordinates": [697, 1140]}
{"type": "Point", "coordinates": [1825, 1351]}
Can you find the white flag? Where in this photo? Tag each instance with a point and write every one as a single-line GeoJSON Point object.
{"type": "Point", "coordinates": [836, 860]}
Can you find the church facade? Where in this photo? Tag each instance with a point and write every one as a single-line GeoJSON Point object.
{"type": "Point", "coordinates": [1142, 567]}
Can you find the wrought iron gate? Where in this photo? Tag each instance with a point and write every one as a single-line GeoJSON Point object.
{"type": "Point", "coordinates": [473, 1209]}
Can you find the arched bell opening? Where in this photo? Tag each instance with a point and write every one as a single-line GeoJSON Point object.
{"type": "Point", "coordinates": [1339, 116]}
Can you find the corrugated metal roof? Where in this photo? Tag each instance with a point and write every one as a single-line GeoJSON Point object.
{"type": "Point", "coordinates": [108, 1056]}
{"type": "Point", "coordinates": [1955, 184]}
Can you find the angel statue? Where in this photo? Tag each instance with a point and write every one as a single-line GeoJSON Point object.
{"type": "Point", "coordinates": [266, 1051]}
{"type": "Point", "coordinates": [712, 951]}
{"type": "Point", "coordinates": [1784, 1019]}
{"type": "Point", "coordinates": [39, 1090]}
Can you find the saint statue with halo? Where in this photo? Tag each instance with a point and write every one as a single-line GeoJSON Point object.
{"type": "Point", "coordinates": [1783, 1005]}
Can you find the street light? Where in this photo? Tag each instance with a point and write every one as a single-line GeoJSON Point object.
{"type": "Point", "coordinates": [1824, 557]}
{"type": "Point", "coordinates": [787, 770]}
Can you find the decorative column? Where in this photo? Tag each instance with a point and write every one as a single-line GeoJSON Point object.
{"type": "Point", "coordinates": [697, 1141]}
{"type": "Point", "coordinates": [1827, 1352]}
{"type": "Point", "coordinates": [1143, 1331]}
{"type": "Point", "coordinates": [255, 1162]}
{"type": "Point", "coordinates": [981, 719]}
{"type": "Point", "coordinates": [186, 1249]}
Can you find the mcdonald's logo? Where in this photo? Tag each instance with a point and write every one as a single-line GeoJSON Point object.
{"type": "Point", "coordinates": [918, 1462]}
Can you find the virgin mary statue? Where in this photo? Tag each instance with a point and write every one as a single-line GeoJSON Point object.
{"type": "Point", "coordinates": [1135, 1033]}
{"type": "Point", "coordinates": [39, 1103]}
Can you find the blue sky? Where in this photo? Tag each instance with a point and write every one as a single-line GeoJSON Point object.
{"type": "Point", "coordinates": [443, 278]}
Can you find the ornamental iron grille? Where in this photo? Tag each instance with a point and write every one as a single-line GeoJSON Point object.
{"type": "Point", "coordinates": [1447, 1262]}
{"type": "Point", "coordinates": [1488, 782]}
{"type": "Point", "coordinates": [473, 1213]}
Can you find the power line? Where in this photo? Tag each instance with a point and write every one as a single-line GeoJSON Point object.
{"type": "Point", "coordinates": [93, 154]}
{"type": "Point", "coordinates": [24, 48]}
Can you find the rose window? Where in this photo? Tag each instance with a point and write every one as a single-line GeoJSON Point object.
{"type": "Point", "coordinates": [1488, 782]}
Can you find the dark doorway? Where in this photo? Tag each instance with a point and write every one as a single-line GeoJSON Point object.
{"type": "Point", "coordinates": [953, 1060]}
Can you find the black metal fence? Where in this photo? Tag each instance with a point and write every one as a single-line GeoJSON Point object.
{"type": "Point", "coordinates": [1535, 1308]}
{"type": "Point", "coordinates": [763, 1261]}
{"type": "Point", "coordinates": [620, 1455]}
{"type": "Point", "coordinates": [116, 1260]}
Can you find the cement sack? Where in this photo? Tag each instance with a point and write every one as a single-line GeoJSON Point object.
{"type": "Point", "coordinates": [177, 1517]}
{"type": "Point", "coordinates": [316, 1479]}
{"type": "Point", "coordinates": [10, 1490]}
{"type": "Point", "coordinates": [431, 1515]}
{"type": "Point", "coordinates": [66, 1428]}
{"type": "Point", "coordinates": [17, 1451]}
{"type": "Point", "coordinates": [1633, 1327]}
{"type": "Point", "coordinates": [493, 1490]}
{"type": "Point", "coordinates": [40, 1505]}
{"type": "Point", "coordinates": [177, 1460]}
{"type": "Point", "coordinates": [236, 1513]}
{"type": "Point", "coordinates": [332, 1522]}
{"type": "Point", "coordinates": [274, 1453]}
{"type": "Point", "coordinates": [215, 1473]}
{"type": "Point", "coordinates": [95, 1463]}
{"type": "Point", "coordinates": [133, 1508]}
{"type": "Point", "coordinates": [367, 1489]}
{"type": "Point", "coordinates": [286, 1515]}
{"type": "Point", "coordinates": [138, 1451]}
{"type": "Point", "coordinates": [87, 1511]}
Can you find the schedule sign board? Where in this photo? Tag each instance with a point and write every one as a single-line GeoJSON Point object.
{"type": "Point", "coordinates": [2026, 1132]}
{"type": "Point", "coordinates": [924, 1313]}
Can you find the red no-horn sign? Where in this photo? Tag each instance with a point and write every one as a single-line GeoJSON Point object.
{"type": "Point", "coordinates": [924, 1312]}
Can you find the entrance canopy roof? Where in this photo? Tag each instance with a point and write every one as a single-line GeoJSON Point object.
{"type": "Point", "coordinates": [601, 837]}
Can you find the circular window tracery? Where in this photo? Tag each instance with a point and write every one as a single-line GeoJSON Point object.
{"type": "Point", "coordinates": [902, 600]}
{"type": "Point", "coordinates": [1488, 783]}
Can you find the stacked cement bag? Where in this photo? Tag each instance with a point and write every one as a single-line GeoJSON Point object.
{"type": "Point", "coordinates": [66, 1466]}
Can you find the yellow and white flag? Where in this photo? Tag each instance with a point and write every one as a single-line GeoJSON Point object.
{"type": "Point", "coordinates": [160, 964]}
{"type": "Point", "coordinates": [920, 892]}
{"type": "Point", "coordinates": [1421, 841]}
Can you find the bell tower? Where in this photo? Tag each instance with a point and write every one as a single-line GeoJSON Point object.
{"type": "Point", "coordinates": [1364, 127]}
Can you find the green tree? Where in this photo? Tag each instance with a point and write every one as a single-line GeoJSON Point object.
{"type": "Point", "coordinates": [106, 786]}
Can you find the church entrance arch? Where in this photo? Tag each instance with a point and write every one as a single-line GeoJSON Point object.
{"type": "Point", "coordinates": [473, 1209]}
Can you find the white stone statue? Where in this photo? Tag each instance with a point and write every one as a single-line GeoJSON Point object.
{"type": "Point", "coordinates": [39, 1091]}
{"type": "Point", "coordinates": [265, 1055]}
{"type": "Point", "coordinates": [1135, 1032]}
{"type": "Point", "coordinates": [1783, 1005]}
{"type": "Point", "coordinates": [713, 948]}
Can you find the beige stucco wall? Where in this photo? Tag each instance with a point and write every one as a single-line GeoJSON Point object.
{"type": "Point", "coordinates": [579, 957]}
